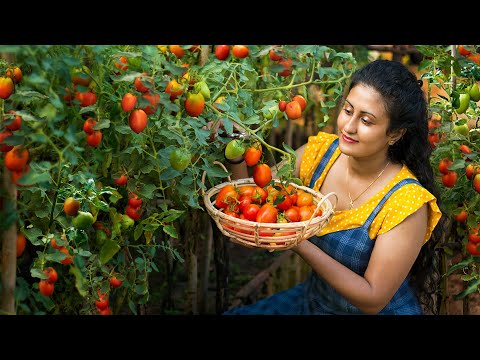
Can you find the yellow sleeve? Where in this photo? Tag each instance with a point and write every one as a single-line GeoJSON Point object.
{"type": "Point", "coordinates": [316, 147]}
{"type": "Point", "coordinates": [404, 202]}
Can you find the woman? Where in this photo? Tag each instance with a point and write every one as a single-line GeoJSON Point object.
{"type": "Point", "coordinates": [376, 255]}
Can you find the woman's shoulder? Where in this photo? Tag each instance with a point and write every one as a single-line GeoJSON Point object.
{"type": "Point", "coordinates": [323, 138]}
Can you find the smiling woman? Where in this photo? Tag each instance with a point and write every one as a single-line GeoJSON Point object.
{"type": "Point", "coordinates": [377, 253]}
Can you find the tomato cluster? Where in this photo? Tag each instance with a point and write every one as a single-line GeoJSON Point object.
{"type": "Point", "coordinates": [275, 204]}
{"type": "Point", "coordinates": [46, 286]}
{"type": "Point", "coordinates": [294, 108]}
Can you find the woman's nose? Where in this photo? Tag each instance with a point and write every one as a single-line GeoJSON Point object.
{"type": "Point", "coordinates": [351, 125]}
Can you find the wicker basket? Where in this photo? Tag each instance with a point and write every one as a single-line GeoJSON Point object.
{"type": "Point", "coordinates": [271, 236]}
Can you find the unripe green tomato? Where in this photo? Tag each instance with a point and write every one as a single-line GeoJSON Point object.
{"type": "Point", "coordinates": [474, 92]}
{"type": "Point", "coordinates": [180, 158]}
{"type": "Point", "coordinates": [100, 238]}
{"type": "Point", "coordinates": [234, 149]}
{"type": "Point", "coordinates": [464, 99]}
{"type": "Point", "coordinates": [462, 129]}
{"type": "Point", "coordinates": [202, 87]}
{"type": "Point", "coordinates": [83, 220]}
{"type": "Point", "coordinates": [126, 222]}
{"type": "Point", "coordinates": [271, 112]}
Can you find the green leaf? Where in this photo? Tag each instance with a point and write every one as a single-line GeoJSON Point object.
{"type": "Point", "coordinates": [470, 289]}
{"type": "Point", "coordinates": [38, 273]}
{"type": "Point", "coordinates": [170, 230]}
{"type": "Point", "coordinates": [228, 125]}
{"type": "Point", "coordinates": [171, 215]}
{"type": "Point", "coordinates": [459, 266]}
{"type": "Point", "coordinates": [147, 191]}
{"type": "Point", "coordinates": [138, 232]}
{"type": "Point", "coordinates": [80, 281]}
{"type": "Point", "coordinates": [33, 235]}
{"type": "Point", "coordinates": [141, 289]}
{"type": "Point", "coordinates": [424, 64]}
{"type": "Point", "coordinates": [109, 249]}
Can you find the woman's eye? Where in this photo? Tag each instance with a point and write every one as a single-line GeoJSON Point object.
{"type": "Point", "coordinates": [366, 121]}
{"type": "Point", "coordinates": [348, 111]}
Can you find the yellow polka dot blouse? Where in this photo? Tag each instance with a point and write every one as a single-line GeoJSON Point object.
{"type": "Point", "coordinates": [405, 201]}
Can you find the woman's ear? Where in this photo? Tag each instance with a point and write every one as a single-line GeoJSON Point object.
{"type": "Point", "coordinates": [396, 135]}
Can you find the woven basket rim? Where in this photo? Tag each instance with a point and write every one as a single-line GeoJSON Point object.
{"type": "Point", "coordinates": [260, 241]}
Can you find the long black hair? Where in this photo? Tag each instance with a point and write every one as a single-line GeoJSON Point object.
{"type": "Point", "coordinates": [406, 105]}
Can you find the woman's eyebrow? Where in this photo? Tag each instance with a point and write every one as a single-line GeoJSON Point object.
{"type": "Point", "coordinates": [363, 112]}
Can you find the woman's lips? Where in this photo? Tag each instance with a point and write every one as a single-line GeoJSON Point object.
{"type": "Point", "coordinates": [349, 140]}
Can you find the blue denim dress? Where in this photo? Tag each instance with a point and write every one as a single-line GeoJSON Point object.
{"type": "Point", "coordinates": [352, 248]}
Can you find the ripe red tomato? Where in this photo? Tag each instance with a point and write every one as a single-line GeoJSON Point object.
{"type": "Point", "coordinates": [472, 248]}
{"type": "Point", "coordinates": [6, 87]}
{"type": "Point", "coordinates": [240, 51]}
{"type": "Point", "coordinates": [177, 50]}
{"type": "Point", "coordinates": [46, 288]}
{"type": "Point", "coordinates": [138, 120]}
{"type": "Point", "coordinates": [443, 166]}
{"type": "Point", "coordinates": [286, 203]}
{"type": "Point", "coordinates": [15, 74]}
{"type": "Point", "coordinates": [68, 259]}
{"type": "Point", "coordinates": [464, 149]}
{"type": "Point", "coordinates": [292, 215]}
{"type": "Point", "coordinates": [474, 237]}
{"type": "Point", "coordinates": [71, 206]}
{"type": "Point", "coordinates": [228, 195]}
{"type": "Point", "coordinates": [304, 199]}
{"type": "Point", "coordinates": [102, 302]}
{"type": "Point", "coordinates": [121, 180]}
{"type": "Point", "coordinates": [282, 105]}
{"type": "Point", "coordinates": [87, 98]}
{"type": "Point", "coordinates": [89, 124]}
{"type": "Point", "coordinates": [222, 51]}
{"type": "Point", "coordinates": [154, 100]}
{"type": "Point", "coordinates": [94, 139]}
{"type": "Point", "coordinates": [259, 195]}
{"type": "Point", "coordinates": [293, 110]}
{"type": "Point", "coordinates": [287, 64]}
{"type": "Point", "coordinates": [432, 139]}
{"type": "Point", "coordinates": [251, 211]}
{"type": "Point", "coordinates": [243, 201]}
{"type": "Point", "coordinates": [51, 273]}
{"type": "Point", "coordinates": [128, 102]}
{"type": "Point", "coordinates": [449, 179]}
{"type": "Point", "coordinates": [476, 183]}
{"type": "Point", "coordinates": [267, 214]}
{"type": "Point", "coordinates": [3, 135]}
{"type": "Point", "coordinates": [305, 212]}
{"type": "Point", "coordinates": [15, 124]}
{"type": "Point", "coordinates": [121, 63]}
{"type": "Point", "coordinates": [134, 201]}
{"type": "Point", "coordinates": [461, 216]}
{"type": "Point", "coordinates": [194, 104]}
{"type": "Point", "coordinates": [114, 282]}
{"type": "Point", "coordinates": [21, 244]}
{"type": "Point", "coordinates": [253, 154]}
{"type": "Point", "coordinates": [246, 190]}
{"type": "Point", "coordinates": [139, 84]}
{"type": "Point", "coordinates": [262, 175]}
{"type": "Point", "coordinates": [274, 56]}
{"type": "Point", "coordinates": [462, 51]}
{"type": "Point", "coordinates": [80, 78]}
{"type": "Point", "coordinates": [133, 213]}
{"type": "Point", "coordinates": [301, 100]}
{"type": "Point", "coordinates": [16, 159]}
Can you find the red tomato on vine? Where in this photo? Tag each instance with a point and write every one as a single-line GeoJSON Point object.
{"type": "Point", "coordinates": [262, 175]}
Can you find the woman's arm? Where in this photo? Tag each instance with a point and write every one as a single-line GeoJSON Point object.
{"type": "Point", "coordinates": [392, 258]}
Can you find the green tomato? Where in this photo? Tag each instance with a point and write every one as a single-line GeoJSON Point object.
{"type": "Point", "coordinates": [202, 88]}
{"type": "Point", "coordinates": [270, 113]}
{"type": "Point", "coordinates": [474, 92]}
{"type": "Point", "coordinates": [126, 222]}
{"type": "Point", "coordinates": [464, 100]}
{"type": "Point", "coordinates": [83, 220]}
{"type": "Point", "coordinates": [180, 159]}
{"type": "Point", "coordinates": [100, 238]}
{"type": "Point", "coordinates": [462, 129]}
{"type": "Point", "coordinates": [234, 149]}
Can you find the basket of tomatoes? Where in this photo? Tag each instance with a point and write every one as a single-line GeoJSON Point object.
{"type": "Point", "coordinates": [276, 217]}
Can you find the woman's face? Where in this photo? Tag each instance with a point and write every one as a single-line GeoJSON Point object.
{"type": "Point", "coordinates": [363, 123]}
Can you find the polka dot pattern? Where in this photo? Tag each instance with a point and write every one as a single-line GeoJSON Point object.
{"type": "Point", "coordinates": [404, 202]}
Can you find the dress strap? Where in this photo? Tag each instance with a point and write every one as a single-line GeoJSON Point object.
{"type": "Point", "coordinates": [377, 209]}
{"type": "Point", "coordinates": [323, 163]}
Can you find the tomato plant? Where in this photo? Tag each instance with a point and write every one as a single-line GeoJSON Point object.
{"type": "Point", "coordinates": [120, 119]}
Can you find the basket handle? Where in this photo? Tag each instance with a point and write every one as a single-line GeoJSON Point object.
{"type": "Point", "coordinates": [320, 203]}
{"type": "Point", "coordinates": [205, 173]}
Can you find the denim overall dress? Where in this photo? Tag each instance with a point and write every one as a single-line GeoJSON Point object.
{"type": "Point", "coordinates": [352, 248]}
